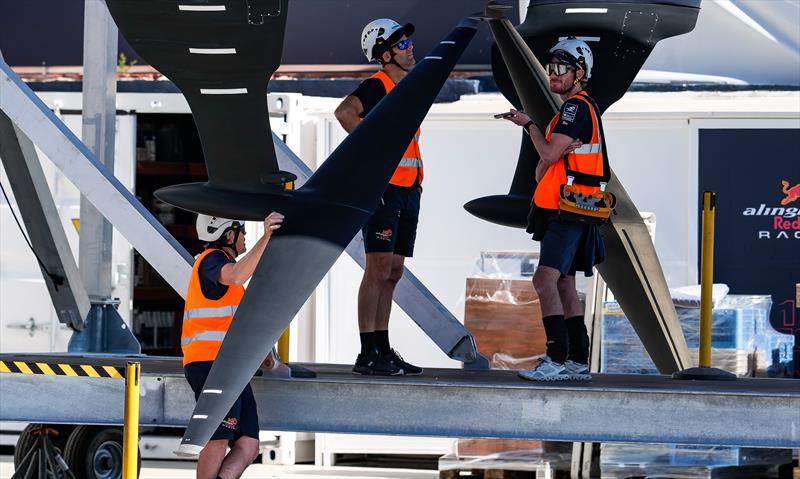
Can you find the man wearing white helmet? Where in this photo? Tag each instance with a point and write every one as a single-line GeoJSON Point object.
{"type": "Point", "coordinates": [215, 290]}
{"type": "Point", "coordinates": [574, 136]}
{"type": "Point", "coordinates": [390, 233]}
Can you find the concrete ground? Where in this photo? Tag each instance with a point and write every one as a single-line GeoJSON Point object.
{"type": "Point", "coordinates": [185, 470]}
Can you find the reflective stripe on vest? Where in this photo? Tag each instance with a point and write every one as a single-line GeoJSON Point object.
{"type": "Point", "coordinates": [587, 159]}
{"type": "Point", "coordinates": [410, 170]}
{"type": "Point", "coordinates": [205, 336]}
{"type": "Point", "coordinates": [205, 321]}
{"type": "Point", "coordinates": [209, 312]}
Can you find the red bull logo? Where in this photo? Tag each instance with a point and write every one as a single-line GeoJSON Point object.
{"type": "Point", "coordinates": [385, 235]}
{"type": "Point", "coordinates": [785, 219]}
{"type": "Point", "coordinates": [792, 194]}
{"type": "Point", "coordinates": [230, 423]}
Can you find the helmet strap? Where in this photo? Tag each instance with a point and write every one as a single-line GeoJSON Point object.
{"type": "Point", "coordinates": [394, 62]}
{"type": "Point", "coordinates": [236, 233]}
{"type": "Point", "coordinates": [219, 244]}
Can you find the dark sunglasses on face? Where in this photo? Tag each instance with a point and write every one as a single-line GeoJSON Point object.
{"type": "Point", "coordinates": [557, 69]}
{"type": "Point", "coordinates": [403, 44]}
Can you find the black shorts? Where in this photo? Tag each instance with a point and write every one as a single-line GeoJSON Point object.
{"type": "Point", "coordinates": [570, 246]}
{"type": "Point", "coordinates": [241, 420]}
{"type": "Point", "coordinates": [392, 228]}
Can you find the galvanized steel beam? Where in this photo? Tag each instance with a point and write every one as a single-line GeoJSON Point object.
{"type": "Point", "coordinates": [99, 124]}
{"type": "Point", "coordinates": [453, 403]}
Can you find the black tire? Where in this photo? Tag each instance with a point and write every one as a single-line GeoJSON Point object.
{"type": "Point", "coordinates": [27, 440]}
{"type": "Point", "coordinates": [24, 443]}
{"type": "Point", "coordinates": [95, 452]}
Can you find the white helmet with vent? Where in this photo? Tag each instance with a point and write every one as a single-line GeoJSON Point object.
{"type": "Point", "coordinates": [380, 34]}
{"type": "Point", "coordinates": [577, 53]}
{"type": "Point", "coordinates": [212, 228]}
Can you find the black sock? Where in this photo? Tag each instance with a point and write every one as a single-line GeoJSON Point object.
{"type": "Point", "coordinates": [367, 342]}
{"type": "Point", "coordinates": [382, 341]}
{"type": "Point", "coordinates": [578, 340]}
{"type": "Point", "coordinates": [557, 340]}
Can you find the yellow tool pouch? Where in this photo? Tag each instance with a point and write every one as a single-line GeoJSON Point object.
{"type": "Point", "coordinates": [595, 208]}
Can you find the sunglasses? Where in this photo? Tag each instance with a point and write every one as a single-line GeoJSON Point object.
{"type": "Point", "coordinates": [403, 44]}
{"type": "Point", "coordinates": [557, 69]}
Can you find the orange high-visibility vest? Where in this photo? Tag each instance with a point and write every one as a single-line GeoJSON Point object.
{"type": "Point", "coordinates": [586, 160]}
{"type": "Point", "coordinates": [206, 321]}
{"type": "Point", "coordinates": [410, 169]}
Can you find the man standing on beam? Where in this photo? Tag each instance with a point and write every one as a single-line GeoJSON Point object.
{"type": "Point", "coordinates": [570, 152]}
{"type": "Point", "coordinates": [391, 230]}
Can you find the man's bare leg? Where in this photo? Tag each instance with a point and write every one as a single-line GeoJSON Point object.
{"type": "Point", "coordinates": [545, 282]}
{"type": "Point", "coordinates": [384, 308]}
{"type": "Point", "coordinates": [376, 273]}
{"type": "Point", "coordinates": [211, 458]}
{"type": "Point", "coordinates": [244, 452]}
{"type": "Point", "coordinates": [569, 297]}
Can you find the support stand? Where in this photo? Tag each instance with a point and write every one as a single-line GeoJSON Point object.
{"type": "Point", "coordinates": [105, 332]}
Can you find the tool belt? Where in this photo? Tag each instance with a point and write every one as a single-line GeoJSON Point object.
{"type": "Point", "coordinates": [595, 208]}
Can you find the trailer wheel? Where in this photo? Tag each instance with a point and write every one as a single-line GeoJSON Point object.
{"type": "Point", "coordinates": [27, 439]}
{"type": "Point", "coordinates": [95, 452]}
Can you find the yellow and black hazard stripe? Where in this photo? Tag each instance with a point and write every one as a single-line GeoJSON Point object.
{"type": "Point", "coordinates": [62, 369]}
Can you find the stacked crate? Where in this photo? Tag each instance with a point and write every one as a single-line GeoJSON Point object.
{"type": "Point", "coordinates": [743, 342]}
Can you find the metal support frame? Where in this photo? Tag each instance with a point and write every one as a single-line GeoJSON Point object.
{"type": "Point", "coordinates": [99, 123]}
{"type": "Point", "coordinates": [410, 294]}
{"type": "Point", "coordinates": [97, 183]}
{"type": "Point", "coordinates": [450, 403]}
{"type": "Point", "coordinates": [43, 225]}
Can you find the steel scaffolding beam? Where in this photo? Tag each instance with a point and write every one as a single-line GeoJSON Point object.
{"type": "Point", "coordinates": [449, 403]}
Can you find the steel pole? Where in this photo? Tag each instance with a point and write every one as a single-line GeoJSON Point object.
{"type": "Point", "coordinates": [130, 441]}
{"type": "Point", "coordinates": [704, 371]}
{"type": "Point", "coordinates": [707, 278]}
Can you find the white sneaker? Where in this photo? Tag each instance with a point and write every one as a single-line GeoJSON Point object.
{"type": "Point", "coordinates": [546, 370]}
{"type": "Point", "coordinates": [577, 371]}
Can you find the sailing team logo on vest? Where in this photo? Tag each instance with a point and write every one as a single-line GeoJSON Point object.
{"type": "Point", "coordinates": [784, 223]}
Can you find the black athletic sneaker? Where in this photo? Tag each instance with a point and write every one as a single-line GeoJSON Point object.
{"type": "Point", "coordinates": [372, 364]}
{"type": "Point", "coordinates": [407, 369]}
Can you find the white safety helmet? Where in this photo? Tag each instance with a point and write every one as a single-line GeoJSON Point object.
{"type": "Point", "coordinates": [575, 52]}
{"type": "Point", "coordinates": [212, 228]}
{"type": "Point", "coordinates": [382, 33]}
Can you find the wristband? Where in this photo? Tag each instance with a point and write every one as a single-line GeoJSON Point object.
{"type": "Point", "coordinates": [527, 126]}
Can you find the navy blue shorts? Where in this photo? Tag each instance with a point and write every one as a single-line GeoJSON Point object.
{"type": "Point", "coordinates": [570, 246]}
{"type": "Point", "coordinates": [241, 420]}
{"type": "Point", "coordinates": [392, 228]}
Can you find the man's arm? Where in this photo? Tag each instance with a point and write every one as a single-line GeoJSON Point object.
{"type": "Point", "coordinates": [549, 151]}
{"type": "Point", "coordinates": [348, 113]}
{"type": "Point", "coordinates": [541, 169]}
{"type": "Point", "coordinates": [242, 270]}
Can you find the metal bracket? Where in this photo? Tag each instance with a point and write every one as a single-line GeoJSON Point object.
{"type": "Point", "coordinates": [105, 332]}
